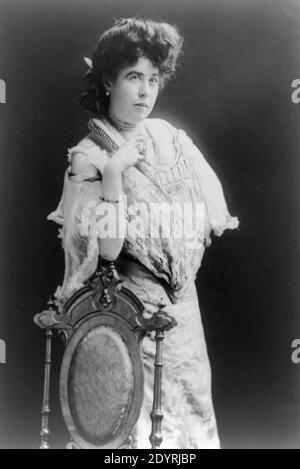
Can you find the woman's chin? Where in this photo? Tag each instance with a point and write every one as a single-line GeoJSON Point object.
{"type": "Point", "coordinates": [141, 113]}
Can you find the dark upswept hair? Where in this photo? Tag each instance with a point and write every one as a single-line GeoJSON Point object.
{"type": "Point", "coordinates": [121, 46]}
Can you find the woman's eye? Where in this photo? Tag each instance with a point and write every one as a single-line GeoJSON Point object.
{"type": "Point", "coordinates": [134, 77]}
{"type": "Point", "coordinates": [154, 81]}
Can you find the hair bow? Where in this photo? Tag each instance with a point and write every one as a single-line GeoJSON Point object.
{"type": "Point", "coordinates": [88, 62]}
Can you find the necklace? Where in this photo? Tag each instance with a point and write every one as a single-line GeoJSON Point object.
{"type": "Point", "coordinates": [121, 125]}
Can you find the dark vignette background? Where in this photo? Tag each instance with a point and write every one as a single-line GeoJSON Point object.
{"type": "Point", "coordinates": [233, 96]}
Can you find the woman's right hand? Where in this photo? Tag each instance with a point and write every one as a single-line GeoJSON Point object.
{"type": "Point", "coordinates": [129, 154]}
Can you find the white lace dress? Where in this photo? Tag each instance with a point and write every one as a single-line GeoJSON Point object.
{"type": "Point", "coordinates": [155, 268]}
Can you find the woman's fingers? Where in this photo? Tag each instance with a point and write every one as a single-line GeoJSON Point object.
{"type": "Point", "coordinates": [132, 152]}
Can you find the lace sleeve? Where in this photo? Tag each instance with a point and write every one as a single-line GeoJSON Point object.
{"type": "Point", "coordinates": [219, 216]}
{"type": "Point", "coordinates": [77, 215]}
{"type": "Point", "coordinates": [95, 158]}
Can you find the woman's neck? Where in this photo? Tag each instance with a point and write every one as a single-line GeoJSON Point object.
{"type": "Point", "coordinates": [127, 129]}
{"type": "Point", "coordinates": [120, 124]}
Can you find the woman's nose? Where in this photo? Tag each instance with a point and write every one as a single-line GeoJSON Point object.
{"type": "Point", "coordinates": [144, 89]}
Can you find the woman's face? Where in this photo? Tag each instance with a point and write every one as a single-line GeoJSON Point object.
{"type": "Point", "coordinates": [134, 92]}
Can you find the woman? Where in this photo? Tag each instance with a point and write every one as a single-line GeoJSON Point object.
{"type": "Point", "coordinates": [152, 164]}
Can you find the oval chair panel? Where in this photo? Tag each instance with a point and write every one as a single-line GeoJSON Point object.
{"type": "Point", "coordinates": [101, 382]}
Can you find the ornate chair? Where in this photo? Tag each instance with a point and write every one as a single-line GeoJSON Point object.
{"type": "Point", "coordinates": [101, 378]}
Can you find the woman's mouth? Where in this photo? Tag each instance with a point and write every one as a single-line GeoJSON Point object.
{"type": "Point", "coordinates": [142, 105]}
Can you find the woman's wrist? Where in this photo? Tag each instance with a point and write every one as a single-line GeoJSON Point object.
{"type": "Point", "coordinates": [113, 167]}
{"type": "Point", "coordinates": [112, 181]}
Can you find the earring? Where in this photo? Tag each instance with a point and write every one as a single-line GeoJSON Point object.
{"type": "Point", "coordinates": [107, 93]}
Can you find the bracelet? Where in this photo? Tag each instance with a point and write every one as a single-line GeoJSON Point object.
{"type": "Point", "coordinates": [108, 200]}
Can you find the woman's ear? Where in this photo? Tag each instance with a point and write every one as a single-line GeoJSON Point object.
{"type": "Point", "coordinates": [107, 82]}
